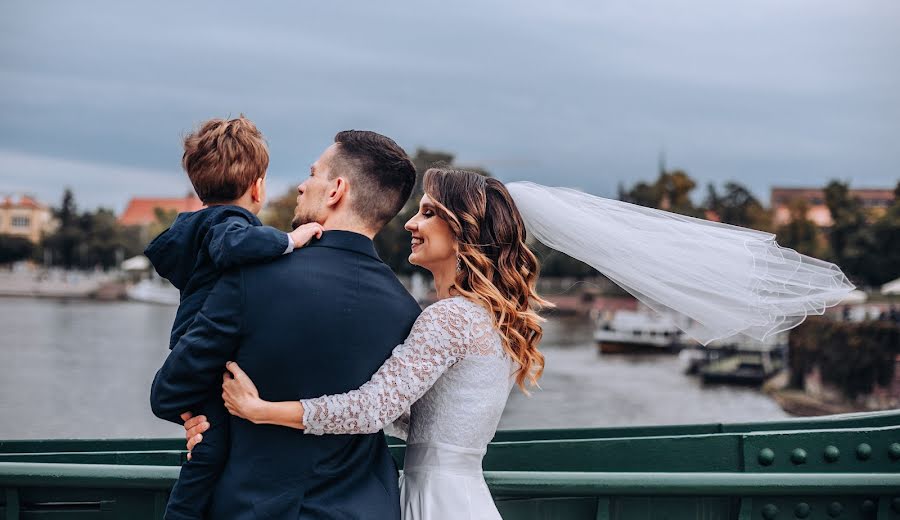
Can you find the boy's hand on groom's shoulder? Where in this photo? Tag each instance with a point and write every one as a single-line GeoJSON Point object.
{"type": "Point", "coordinates": [303, 234]}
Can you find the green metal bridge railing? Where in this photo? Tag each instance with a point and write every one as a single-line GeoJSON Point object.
{"type": "Point", "coordinates": [845, 467]}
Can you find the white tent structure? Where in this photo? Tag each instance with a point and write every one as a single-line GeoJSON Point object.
{"type": "Point", "coordinates": [855, 296]}
{"type": "Point", "coordinates": [892, 287]}
{"type": "Point", "coordinates": [136, 263]}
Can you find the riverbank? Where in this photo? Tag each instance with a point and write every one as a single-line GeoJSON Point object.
{"type": "Point", "coordinates": [54, 284]}
{"type": "Point", "coordinates": [803, 403]}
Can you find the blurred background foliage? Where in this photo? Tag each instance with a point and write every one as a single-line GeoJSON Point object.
{"type": "Point", "coordinates": [852, 356]}
{"type": "Point", "coordinates": [864, 244]}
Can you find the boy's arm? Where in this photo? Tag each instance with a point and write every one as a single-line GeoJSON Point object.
{"type": "Point", "coordinates": [193, 371]}
{"type": "Point", "coordinates": [237, 242]}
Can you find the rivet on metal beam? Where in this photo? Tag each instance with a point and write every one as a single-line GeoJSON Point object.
{"type": "Point", "coordinates": [769, 511]}
{"type": "Point", "coordinates": [895, 504]}
{"type": "Point", "coordinates": [894, 451]}
{"type": "Point", "coordinates": [832, 454]}
{"type": "Point", "coordinates": [766, 457]}
{"type": "Point", "coordinates": [867, 506]}
{"type": "Point", "coordinates": [863, 451]}
{"type": "Point", "coordinates": [802, 510]}
{"type": "Point", "coordinates": [798, 456]}
{"type": "Point", "coordinates": [835, 509]}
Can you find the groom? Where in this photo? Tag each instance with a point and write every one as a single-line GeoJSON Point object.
{"type": "Point", "coordinates": [319, 321]}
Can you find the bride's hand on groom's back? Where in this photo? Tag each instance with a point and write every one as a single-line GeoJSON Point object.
{"type": "Point", "coordinates": [240, 394]}
{"type": "Point", "coordinates": [193, 430]}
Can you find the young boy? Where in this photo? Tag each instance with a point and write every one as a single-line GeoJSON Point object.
{"type": "Point", "coordinates": [226, 161]}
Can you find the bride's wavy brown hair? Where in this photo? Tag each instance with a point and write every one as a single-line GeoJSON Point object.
{"type": "Point", "coordinates": [496, 267]}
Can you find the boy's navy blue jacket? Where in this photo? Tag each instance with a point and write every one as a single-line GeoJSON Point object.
{"type": "Point", "coordinates": [200, 245]}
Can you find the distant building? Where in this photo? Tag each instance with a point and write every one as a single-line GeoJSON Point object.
{"type": "Point", "coordinates": [23, 216]}
{"type": "Point", "coordinates": [141, 211]}
{"type": "Point", "coordinates": [876, 200]}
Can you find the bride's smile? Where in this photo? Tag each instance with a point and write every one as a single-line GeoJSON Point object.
{"type": "Point", "coordinates": [432, 245]}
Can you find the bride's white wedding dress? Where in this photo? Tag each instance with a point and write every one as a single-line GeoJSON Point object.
{"type": "Point", "coordinates": [454, 373]}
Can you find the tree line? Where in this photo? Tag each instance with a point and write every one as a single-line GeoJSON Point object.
{"type": "Point", "coordinates": [80, 240]}
{"type": "Point", "coordinates": [864, 244]}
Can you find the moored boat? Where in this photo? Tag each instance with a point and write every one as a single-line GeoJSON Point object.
{"type": "Point", "coordinates": [640, 331]}
{"type": "Point", "coordinates": [154, 290]}
{"type": "Point", "coordinates": [738, 360]}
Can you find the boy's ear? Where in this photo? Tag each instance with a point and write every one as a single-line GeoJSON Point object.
{"type": "Point", "coordinates": [336, 192]}
{"type": "Point", "coordinates": [256, 190]}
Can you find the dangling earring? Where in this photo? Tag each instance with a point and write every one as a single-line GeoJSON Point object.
{"type": "Point", "coordinates": [458, 263]}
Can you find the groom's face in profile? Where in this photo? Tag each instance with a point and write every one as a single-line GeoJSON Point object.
{"type": "Point", "coordinates": [312, 192]}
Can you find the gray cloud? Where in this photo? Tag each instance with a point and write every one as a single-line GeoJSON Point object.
{"type": "Point", "coordinates": [576, 93]}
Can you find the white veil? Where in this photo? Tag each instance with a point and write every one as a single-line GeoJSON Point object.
{"type": "Point", "coordinates": [728, 280]}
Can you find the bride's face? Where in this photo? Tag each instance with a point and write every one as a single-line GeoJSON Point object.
{"type": "Point", "coordinates": [433, 245]}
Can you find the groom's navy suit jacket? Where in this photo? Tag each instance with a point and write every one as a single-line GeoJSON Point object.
{"type": "Point", "coordinates": [318, 321]}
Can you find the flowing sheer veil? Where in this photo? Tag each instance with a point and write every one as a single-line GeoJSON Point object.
{"type": "Point", "coordinates": [728, 280]}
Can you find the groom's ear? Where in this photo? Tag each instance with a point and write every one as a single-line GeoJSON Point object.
{"type": "Point", "coordinates": [337, 191]}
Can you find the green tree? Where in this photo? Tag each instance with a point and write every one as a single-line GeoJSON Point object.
{"type": "Point", "coordinates": [64, 242]}
{"type": "Point", "coordinates": [849, 238]}
{"type": "Point", "coordinates": [279, 212]}
{"type": "Point", "coordinates": [14, 248]}
{"type": "Point", "coordinates": [90, 239]}
{"type": "Point", "coordinates": [737, 206]}
{"type": "Point", "coordinates": [853, 356]}
{"type": "Point", "coordinates": [106, 242]}
{"type": "Point", "coordinates": [884, 260]}
{"type": "Point", "coordinates": [671, 191]}
{"type": "Point", "coordinates": [556, 264]}
{"type": "Point", "coordinates": [164, 220]}
{"type": "Point", "coordinates": [642, 194]}
{"type": "Point", "coordinates": [676, 188]}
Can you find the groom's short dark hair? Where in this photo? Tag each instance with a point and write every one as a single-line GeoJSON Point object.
{"type": "Point", "coordinates": [381, 174]}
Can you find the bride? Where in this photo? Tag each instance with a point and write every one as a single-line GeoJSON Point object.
{"type": "Point", "coordinates": [444, 389]}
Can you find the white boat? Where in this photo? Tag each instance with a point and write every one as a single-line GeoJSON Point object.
{"type": "Point", "coordinates": [646, 330]}
{"type": "Point", "coordinates": [154, 290]}
{"type": "Point", "coordinates": [641, 330]}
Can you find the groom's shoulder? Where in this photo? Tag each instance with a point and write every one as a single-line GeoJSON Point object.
{"type": "Point", "coordinates": [407, 305]}
{"type": "Point", "coordinates": [293, 261]}
{"type": "Point", "coordinates": [305, 263]}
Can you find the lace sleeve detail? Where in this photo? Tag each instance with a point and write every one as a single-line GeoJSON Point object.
{"type": "Point", "coordinates": [437, 341]}
{"type": "Point", "coordinates": [399, 428]}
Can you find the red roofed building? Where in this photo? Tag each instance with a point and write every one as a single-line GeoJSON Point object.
{"type": "Point", "coordinates": [24, 216]}
{"type": "Point", "coordinates": [875, 200]}
{"type": "Point", "coordinates": [141, 211]}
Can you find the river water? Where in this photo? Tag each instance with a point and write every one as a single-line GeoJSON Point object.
{"type": "Point", "coordinates": [82, 369]}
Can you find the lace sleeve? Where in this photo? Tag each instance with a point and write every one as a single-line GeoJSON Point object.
{"type": "Point", "coordinates": [399, 428]}
{"type": "Point", "coordinates": [436, 342]}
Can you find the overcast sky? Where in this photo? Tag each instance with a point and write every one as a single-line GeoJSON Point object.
{"type": "Point", "coordinates": [96, 95]}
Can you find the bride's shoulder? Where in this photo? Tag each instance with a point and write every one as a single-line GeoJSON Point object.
{"type": "Point", "coordinates": [457, 310]}
{"type": "Point", "coordinates": [462, 323]}
{"type": "Point", "coordinates": [455, 304]}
